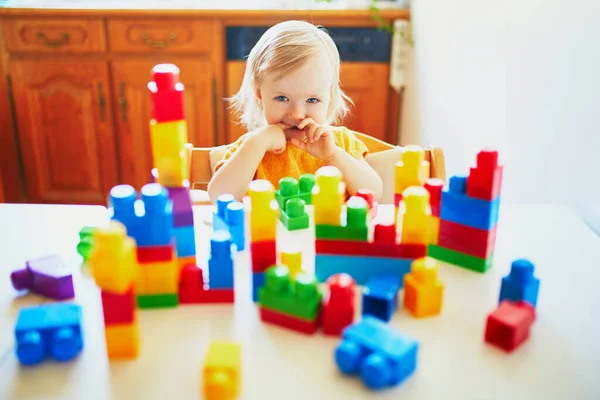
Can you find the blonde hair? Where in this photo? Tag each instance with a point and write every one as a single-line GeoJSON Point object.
{"type": "Point", "coordinates": [282, 49]}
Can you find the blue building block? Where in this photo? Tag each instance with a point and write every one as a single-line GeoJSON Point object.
{"type": "Point", "coordinates": [230, 216]}
{"type": "Point", "coordinates": [520, 284]}
{"type": "Point", "coordinates": [220, 262]}
{"type": "Point", "coordinates": [52, 329]}
{"type": "Point", "coordinates": [382, 356]}
{"type": "Point", "coordinates": [360, 268]}
{"type": "Point", "coordinates": [258, 280]}
{"type": "Point", "coordinates": [148, 220]}
{"type": "Point", "coordinates": [185, 241]}
{"type": "Point", "coordinates": [457, 207]}
{"type": "Point", "coordinates": [380, 296]}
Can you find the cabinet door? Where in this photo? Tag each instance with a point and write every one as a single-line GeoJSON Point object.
{"type": "Point", "coordinates": [235, 76]}
{"type": "Point", "coordinates": [367, 86]}
{"type": "Point", "coordinates": [65, 129]}
{"type": "Point", "coordinates": [132, 111]}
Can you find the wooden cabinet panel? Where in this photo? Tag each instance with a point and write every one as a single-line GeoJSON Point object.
{"type": "Point", "coordinates": [367, 86]}
{"type": "Point", "coordinates": [160, 35]}
{"type": "Point", "coordinates": [235, 75]}
{"type": "Point", "coordinates": [64, 120]}
{"type": "Point", "coordinates": [54, 35]}
{"type": "Point", "coordinates": [132, 110]}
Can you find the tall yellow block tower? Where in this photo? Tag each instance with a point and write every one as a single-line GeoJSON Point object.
{"type": "Point", "coordinates": [328, 196]}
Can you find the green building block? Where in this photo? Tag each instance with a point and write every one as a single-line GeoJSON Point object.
{"type": "Point", "coordinates": [460, 259]}
{"type": "Point", "coordinates": [354, 227]}
{"type": "Point", "coordinates": [294, 217]}
{"type": "Point", "coordinates": [300, 298]}
{"type": "Point", "coordinates": [86, 236]}
{"type": "Point", "coordinates": [290, 188]}
{"type": "Point", "coordinates": [157, 300]}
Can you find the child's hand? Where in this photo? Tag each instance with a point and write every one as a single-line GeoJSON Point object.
{"type": "Point", "coordinates": [272, 137]}
{"type": "Point", "coordinates": [319, 140]}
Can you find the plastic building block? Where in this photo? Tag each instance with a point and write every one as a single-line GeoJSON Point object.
{"type": "Point", "coordinates": [301, 325]}
{"type": "Point", "coordinates": [183, 214]}
{"type": "Point", "coordinates": [298, 298]}
{"type": "Point", "coordinates": [360, 268]}
{"type": "Point", "coordinates": [258, 281]}
{"type": "Point", "coordinates": [166, 94]}
{"type": "Point", "coordinates": [294, 217]}
{"type": "Point", "coordinates": [263, 255]}
{"type": "Point", "coordinates": [369, 197]}
{"type": "Point", "coordinates": [520, 284]}
{"type": "Point", "coordinates": [148, 254]}
{"type": "Point", "coordinates": [509, 325]}
{"type": "Point", "coordinates": [411, 170]}
{"type": "Point", "coordinates": [148, 220]}
{"type": "Point", "coordinates": [113, 259]}
{"type": "Point", "coordinates": [47, 276]}
{"type": "Point", "coordinates": [423, 291]}
{"type": "Point", "coordinates": [328, 196]}
{"type": "Point", "coordinates": [354, 227]}
{"type": "Point", "coordinates": [370, 249]}
{"type": "Point", "coordinates": [434, 230]}
{"type": "Point", "coordinates": [435, 186]}
{"type": "Point", "coordinates": [338, 304]}
{"type": "Point", "coordinates": [485, 180]}
{"type": "Point", "coordinates": [85, 242]}
{"type": "Point", "coordinates": [193, 289]}
{"type": "Point", "coordinates": [416, 221]}
{"type": "Point", "coordinates": [385, 233]}
{"type": "Point", "coordinates": [222, 371]}
{"type": "Point", "coordinates": [50, 329]}
{"type": "Point", "coordinates": [157, 300]}
{"type": "Point", "coordinates": [159, 277]}
{"type": "Point", "coordinates": [473, 263]}
{"type": "Point", "coordinates": [122, 341]}
{"type": "Point", "coordinates": [219, 214]}
{"type": "Point", "coordinates": [185, 241]}
{"type": "Point", "coordinates": [118, 308]}
{"type": "Point", "coordinates": [264, 211]}
{"type": "Point", "coordinates": [380, 296]}
{"type": "Point", "coordinates": [382, 357]}
{"type": "Point", "coordinates": [220, 262]}
{"type": "Point", "coordinates": [290, 188]}
{"type": "Point", "coordinates": [292, 260]}
{"type": "Point", "coordinates": [465, 239]}
{"type": "Point", "coordinates": [230, 216]}
{"type": "Point", "coordinates": [182, 262]}
{"type": "Point", "coordinates": [458, 207]}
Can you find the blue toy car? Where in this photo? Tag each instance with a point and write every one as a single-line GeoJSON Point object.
{"type": "Point", "coordinates": [51, 329]}
{"type": "Point", "coordinates": [381, 356]}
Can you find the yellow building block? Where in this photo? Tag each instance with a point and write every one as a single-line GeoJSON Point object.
{"type": "Point", "coordinates": [328, 196]}
{"type": "Point", "coordinates": [423, 291]}
{"type": "Point", "coordinates": [434, 232]}
{"type": "Point", "coordinates": [416, 219]}
{"type": "Point", "coordinates": [411, 170]}
{"type": "Point", "coordinates": [122, 341]}
{"type": "Point", "coordinates": [293, 260]}
{"type": "Point", "coordinates": [264, 211]}
{"type": "Point", "coordinates": [113, 258]}
{"type": "Point", "coordinates": [168, 141]}
{"type": "Point", "coordinates": [221, 372]}
{"type": "Point", "coordinates": [159, 277]}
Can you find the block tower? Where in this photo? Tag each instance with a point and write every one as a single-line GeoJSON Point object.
{"type": "Point", "coordinates": [263, 231]}
{"type": "Point", "coordinates": [168, 135]}
{"type": "Point", "coordinates": [469, 216]}
{"type": "Point", "coordinates": [411, 170]}
{"type": "Point", "coordinates": [113, 265]}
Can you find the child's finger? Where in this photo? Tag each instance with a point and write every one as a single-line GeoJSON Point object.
{"type": "Point", "coordinates": [313, 132]}
{"type": "Point", "coordinates": [298, 143]}
{"type": "Point", "coordinates": [305, 122]}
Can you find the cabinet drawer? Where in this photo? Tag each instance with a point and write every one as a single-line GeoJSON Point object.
{"type": "Point", "coordinates": [54, 35]}
{"type": "Point", "coordinates": [160, 35]}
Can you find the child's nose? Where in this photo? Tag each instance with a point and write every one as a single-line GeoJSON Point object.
{"type": "Point", "coordinates": [297, 114]}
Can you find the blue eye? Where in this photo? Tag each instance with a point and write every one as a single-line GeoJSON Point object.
{"type": "Point", "coordinates": [281, 98]}
{"type": "Point", "coordinates": [312, 100]}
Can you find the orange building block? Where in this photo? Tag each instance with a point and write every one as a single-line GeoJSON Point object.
{"type": "Point", "coordinates": [328, 196]}
{"type": "Point", "coordinates": [423, 291]}
{"type": "Point", "coordinates": [122, 341]}
{"type": "Point", "coordinates": [221, 372]}
{"type": "Point", "coordinates": [416, 219]}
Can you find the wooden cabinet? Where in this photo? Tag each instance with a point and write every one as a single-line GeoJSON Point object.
{"type": "Point", "coordinates": [64, 120]}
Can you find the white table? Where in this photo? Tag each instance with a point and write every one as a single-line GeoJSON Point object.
{"type": "Point", "coordinates": [560, 360]}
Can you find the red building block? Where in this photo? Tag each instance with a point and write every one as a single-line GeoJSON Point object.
{"type": "Point", "coordinates": [166, 94]}
{"type": "Point", "coordinates": [263, 255]}
{"type": "Point", "coordinates": [435, 186]}
{"type": "Point", "coordinates": [372, 249]}
{"type": "Point", "coordinates": [369, 197]}
{"type": "Point", "coordinates": [465, 239]}
{"type": "Point", "coordinates": [397, 199]}
{"type": "Point", "coordinates": [192, 289]}
{"type": "Point", "coordinates": [289, 322]}
{"type": "Point", "coordinates": [485, 179]}
{"type": "Point", "coordinates": [118, 308]}
{"type": "Point", "coordinates": [385, 233]}
{"type": "Point", "coordinates": [149, 254]}
{"type": "Point", "coordinates": [509, 325]}
{"type": "Point", "coordinates": [338, 304]}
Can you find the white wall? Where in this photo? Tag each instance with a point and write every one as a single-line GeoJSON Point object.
{"type": "Point", "coordinates": [522, 76]}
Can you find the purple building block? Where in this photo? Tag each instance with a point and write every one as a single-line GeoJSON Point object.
{"type": "Point", "coordinates": [182, 206]}
{"type": "Point", "coordinates": [47, 276]}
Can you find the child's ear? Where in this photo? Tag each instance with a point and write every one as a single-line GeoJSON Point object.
{"type": "Point", "coordinates": [258, 94]}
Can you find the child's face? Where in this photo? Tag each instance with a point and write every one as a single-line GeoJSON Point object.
{"type": "Point", "coordinates": [304, 93]}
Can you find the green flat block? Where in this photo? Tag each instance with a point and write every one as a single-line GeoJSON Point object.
{"type": "Point", "coordinates": [157, 300]}
{"type": "Point", "coordinates": [299, 298]}
{"type": "Point", "coordinates": [360, 233]}
{"type": "Point", "coordinates": [460, 259]}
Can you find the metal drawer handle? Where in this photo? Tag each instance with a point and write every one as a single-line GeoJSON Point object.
{"type": "Point", "coordinates": [52, 43]}
{"type": "Point", "coordinates": [159, 44]}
